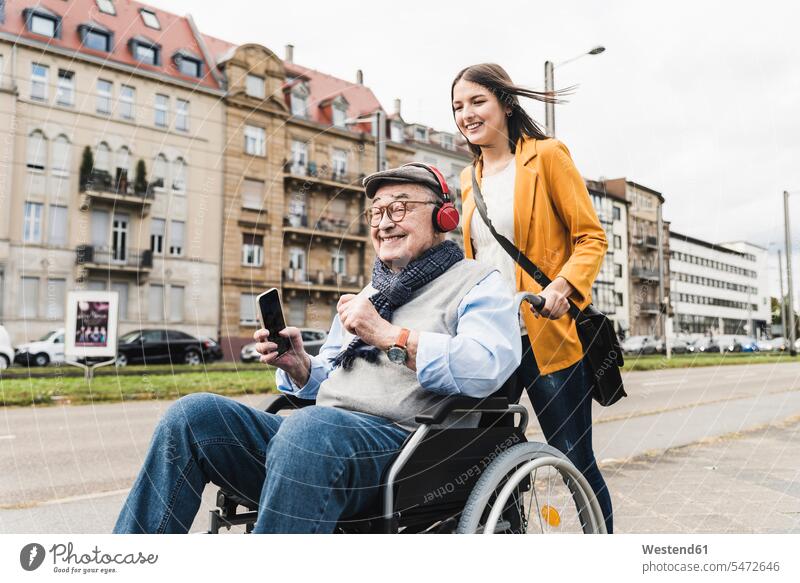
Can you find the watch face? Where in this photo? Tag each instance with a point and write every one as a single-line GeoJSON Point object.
{"type": "Point", "coordinates": [397, 354]}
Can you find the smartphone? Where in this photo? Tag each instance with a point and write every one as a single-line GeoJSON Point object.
{"type": "Point", "coordinates": [269, 306]}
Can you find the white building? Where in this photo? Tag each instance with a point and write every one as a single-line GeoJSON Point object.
{"type": "Point", "coordinates": [719, 288]}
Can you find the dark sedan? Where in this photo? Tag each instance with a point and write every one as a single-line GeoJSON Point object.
{"type": "Point", "coordinates": [160, 346]}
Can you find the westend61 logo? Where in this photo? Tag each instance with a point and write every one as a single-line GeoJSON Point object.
{"type": "Point", "coordinates": [65, 560]}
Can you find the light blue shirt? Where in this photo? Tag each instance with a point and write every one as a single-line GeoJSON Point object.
{"type": "Point", "coordinates": [475, 362]}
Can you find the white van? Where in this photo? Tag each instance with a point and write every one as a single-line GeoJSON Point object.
{"type": "Point", "coordinates": [6, 350]}
{"type": "Point", "coordinates": [48, 349]}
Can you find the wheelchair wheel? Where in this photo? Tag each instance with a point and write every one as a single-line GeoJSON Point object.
{"type": "Point", "coordinates": [532, 488]}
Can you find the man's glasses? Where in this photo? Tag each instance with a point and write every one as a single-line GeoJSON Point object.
{"type": "Point", "coordinates": [396, 211]}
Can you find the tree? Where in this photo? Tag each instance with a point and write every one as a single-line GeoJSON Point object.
{"type": "Point", "coordinates": [87, 164]}
{"type": "Point", "coordinates": [140, 182]}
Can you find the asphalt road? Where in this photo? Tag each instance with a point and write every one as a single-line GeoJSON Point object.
{"type": "Point", "coordinates": [67, 469]}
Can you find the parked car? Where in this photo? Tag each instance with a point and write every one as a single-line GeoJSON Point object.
{"type": "Point", "coordinates": [6, 350]}
{"type": "Point", "coordinates": [156, 345]}
{"type": "Point", "coordinates": [639, 345]}
{"type": "Point", "coordinates": [705, 344]}
{"type": "Point", "coordinates": [747, 344]}
{"type": "Point", "coordinates": [313, 340]}
{"type": "Point", "coordinates": [212, 347]}
{"type": "Point", "coordinates": [49, 349]}
{"type": "Point", "coordinates": [678, 345]}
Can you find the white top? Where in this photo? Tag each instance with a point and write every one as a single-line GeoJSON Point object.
{"type": "Point", "coordinates": [498, 193]}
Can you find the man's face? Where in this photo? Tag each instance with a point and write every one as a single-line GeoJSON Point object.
{"type": "Point", "coordinates": [397, 244]}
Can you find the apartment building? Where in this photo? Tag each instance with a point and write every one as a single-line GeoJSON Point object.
{"type": "Point", "coordinates": [611, 289]}
{"type": "Point", "coordinates": [649, 270]}
{"type": "Point", "coordinates": [111, 171]}
{"type": "Point", "coordinates": [719, 288]}
{"type": "Point", "coordinates": [299, 143]}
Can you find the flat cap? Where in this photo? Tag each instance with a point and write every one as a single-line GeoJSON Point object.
{"type": "Point", "coordinates": [409, 174]}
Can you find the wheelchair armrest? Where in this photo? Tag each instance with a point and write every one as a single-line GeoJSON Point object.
{"type": "Point", "coordinates": [283, 401]}
{"type": "Point", "coordinates": [441, 410]}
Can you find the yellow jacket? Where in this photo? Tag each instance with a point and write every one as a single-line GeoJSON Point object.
{"type": "Point", "coordinates": [557, 227]}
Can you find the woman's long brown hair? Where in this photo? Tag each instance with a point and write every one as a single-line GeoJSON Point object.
{"type": "Point", "coordinates": [494, 78]}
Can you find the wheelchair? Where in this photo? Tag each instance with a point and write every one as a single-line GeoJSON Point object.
{"type": "Point", "coordinates": [446, 478]}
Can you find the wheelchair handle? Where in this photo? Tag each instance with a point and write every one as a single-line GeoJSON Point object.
{"type": "Point", "coordinates": [536, 302]}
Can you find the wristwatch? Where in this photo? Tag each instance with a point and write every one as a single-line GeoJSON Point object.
{"type": "Point", "coordinates": [398, 353]}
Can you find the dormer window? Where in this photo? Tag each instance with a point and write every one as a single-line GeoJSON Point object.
{"type": "Point", "coordinates": [42, 21]}
{"type": "Point", "coordinates": [397, 132]}
{"type": "Point", "coordinates": [421, 134]}
{"type": "Point", "coordinates": [299, 100]}
{"type": "Point", "coordinates": [96, 37]}
{"type": "Point", "coordinates": [254, 86]}
{"type": "Point", "coordinates": [188, 64]}
{"type": "Point", "coordinates": [150, 19]}
{"type": "Point", "coordinates": [339, 111]}
{"type": "Point", "coordinates": [145, 51]}
{"type": "Point", "coordinates": [107, 6]}
{"type": "Point", "coordinates": [446, 140]}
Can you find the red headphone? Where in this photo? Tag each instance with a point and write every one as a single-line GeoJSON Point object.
{"type": "Point", "coordinates": [445, 214]}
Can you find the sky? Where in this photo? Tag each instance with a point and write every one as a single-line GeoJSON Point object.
{"type": "Point", "coordinates": [698, 100]}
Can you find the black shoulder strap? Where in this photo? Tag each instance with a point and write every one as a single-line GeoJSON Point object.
{"type": "Point", "coordinates": [509, 247]}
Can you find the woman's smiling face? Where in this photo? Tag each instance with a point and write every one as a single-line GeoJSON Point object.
{"type": "Point", "coordinates": [479, 115]}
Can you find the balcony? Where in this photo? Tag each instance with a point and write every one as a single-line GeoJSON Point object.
{"type": "Point", "coordinates": [92, 258]}
{"type": "Point", "coordinates": [649, 241]}
{"type": "Point", "coordinates": [100, 185]}
{"type": "Point", "coordinates": [337, 229]}
{"type": "Point", "coordinates": [322, 281]}
{"type": "Point", "coordinates": [323, 175]}
{"type": "Point", "coordinates": [644, 273]}
{"type": "Point", "coordinates": [649, 308]}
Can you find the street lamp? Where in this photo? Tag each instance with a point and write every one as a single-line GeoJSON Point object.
{"type": "Point", "coordinates": [788, 242]}
{"type": "Point", "coordinates": [780, 284]}
{"type": "Point", "coordinates": [549, 84]}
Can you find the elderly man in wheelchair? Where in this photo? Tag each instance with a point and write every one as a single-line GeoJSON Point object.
{"type": "Point", "coordinates": [402, 421]}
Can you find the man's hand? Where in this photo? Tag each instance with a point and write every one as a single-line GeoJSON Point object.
{"type": "Point", "coordinates": [360, 317]}
{"type": "Point", "coordinates": [555, 296]}
{"type": "Point", "coordinates": [296, 362]}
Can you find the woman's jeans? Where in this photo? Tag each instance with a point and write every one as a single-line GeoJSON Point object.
{"type": "Point", "coordinates": [563, 405]}
{"type": "Point", "coordinates": [307, 470]}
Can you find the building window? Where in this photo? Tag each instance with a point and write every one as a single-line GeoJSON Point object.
{"type": "Point", "coordinates": [32, 225]}
{"type": "Point", "coordinates": [29, 297]}
{"type": "Point", "coordinates": [98, 40]}
{"type": "Point", "coordinates": [65, 91]}
{"type": "Point", "coordinates": [299, 101]}
{"type": "Point", "coordinates": [617, 270]}
{"type": "Point", "coordinates": [157, 229]}
{"type": "Point", "coordinates": [182, 115]}
{"type": "Point", "coordinates": [155, 303]}
{"type": "Point", "coordinates": [616, 213]}
{"type": "Point", "coordinates": [339, 160]}
{"type": "Point", "coordinates": [48, 25]}
{"type": "Point", "coordinates": [189, 66]}
{"type": "Point", "coordinates": [617, 242]}
{"type": "Point", "coordinates": [147, 54]}
{"type": "Point", "coordinates": [56, 298]}
{"type": "Point", "coordinates": [247, 309]}
{"type": "Point", "coordinates": [299, 157]}
{"type": "Point", "coordinates": [60, 163]}
{"type": "Point", "coordinates": [297, 312]}
{"type": "Point", "coordinates": [176, 229]}
{"type": "Point", "coordinates": [160, 171]}
{"type": "Point", "coordinates": [446, 141]}
{"type": "Point", "coordinates": [161, 109]}
{"type": "Point", "coordinates": [179, 176]}
{"type": "Point", "coordinates": [102, 158]}
{"type": "Point", "coordinates": [176, 295]}
{"type": "Point", "coordinates": [618, 298]}
{"type": "Point", "coordinates": [396, 130]}
{"type": "Point", "coordinates": [150, 19]}
{"type": "Point", "coordinates": [57, 225]}
{"type": "Point", "coordinates": [107, 6]}
{"type": "Point", "coordinates": [37, 151]}
{"type": "Point", "coordinates": [254, 86]}
{"type": "Point", "coordinates": [122, 293]}
{"type": "Point", "coordinates": [297, 264]}
{"type": "Point", "coordinates": [127, 102]}
{"type": "Point", "coordinates": [339, 262]}
{"type": "Point", "coordinates": [252, 250]}
{"type": "Point", "coordinates": [339, 112]}
{"type": "Point", "coordinates": [39, 74]}
{"type": "Point", "coordinates": [421, 134]}
{"type": "Point", "coordinates": [252, 193]}
{"type": "Point", "coordinates": [255, 142]}
{"type": "Point", "coordinates": [104, 89]}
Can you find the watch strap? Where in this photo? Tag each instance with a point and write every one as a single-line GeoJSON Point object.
{"type": "Point", "coordinates": [402, 340]}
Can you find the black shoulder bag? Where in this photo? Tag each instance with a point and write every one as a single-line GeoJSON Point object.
{"type": "Point", "coordinates": [602, 353]}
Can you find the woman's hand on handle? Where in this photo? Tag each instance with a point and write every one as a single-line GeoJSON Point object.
{"type": "Point", "coordinates": [555, 296]}
{"type": "Point", "coordinates": [295, 361]}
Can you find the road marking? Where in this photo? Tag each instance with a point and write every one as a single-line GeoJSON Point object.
{"type": "Point", "coordinates": [65, 500]}
{"type": "Point", "coordinates": [673, 382]}
{"type": "Point", "coordinates": [8, 436]}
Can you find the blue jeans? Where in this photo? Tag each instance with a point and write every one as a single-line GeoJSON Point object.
{"type": "Point", "coordinates": [563, 405]}
{"type": "Point", "coordinates": [307, 470]}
